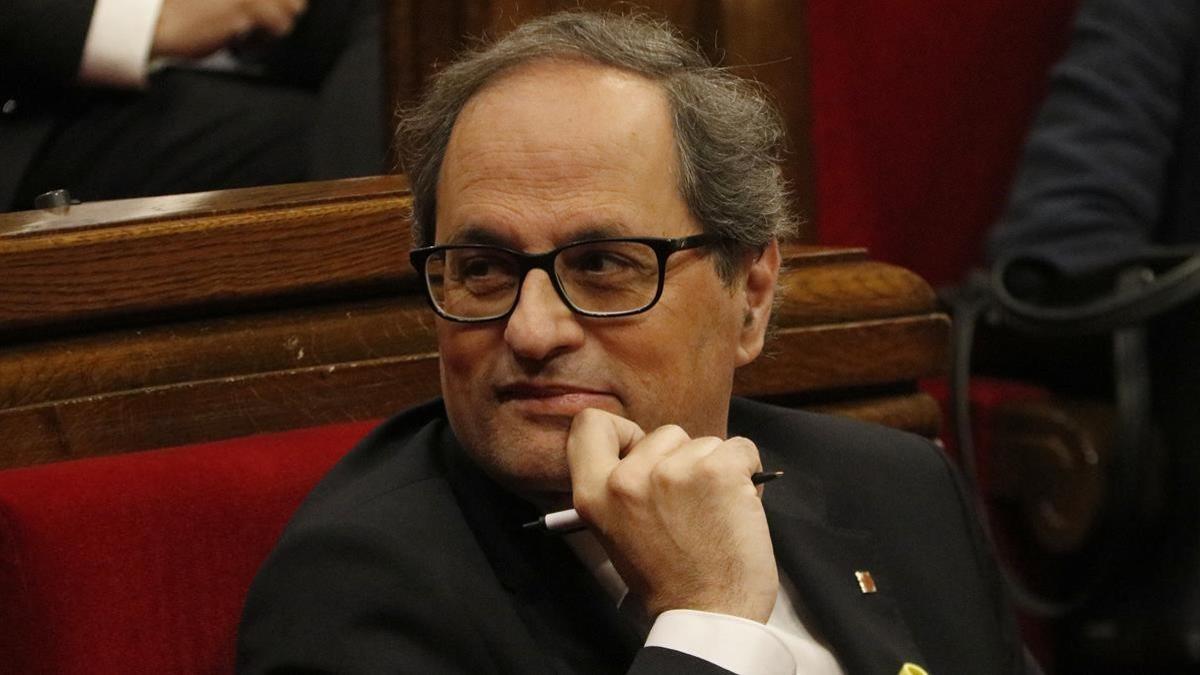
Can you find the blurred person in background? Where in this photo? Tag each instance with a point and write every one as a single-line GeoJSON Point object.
{"type": "Point", "coordinates": [125, 98]}
{"type": "Point", "coordinates": [1110, 174]}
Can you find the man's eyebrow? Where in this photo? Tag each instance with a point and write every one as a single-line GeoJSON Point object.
{"type": "Point", "coordinates": [598, 231]}
{"type": "Point", "coordinates": [475, 234]}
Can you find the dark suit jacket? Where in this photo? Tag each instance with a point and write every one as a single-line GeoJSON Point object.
{"type": "Point", "coordinates": [407, 559]}
{"type": "Point", "coordinates": [41, 43]}
{"type": "Point", "coordinates": [41, 46]}
{"type": "Point", "coordinates": [1112, 163]}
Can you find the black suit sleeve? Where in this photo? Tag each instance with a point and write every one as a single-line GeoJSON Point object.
{"type": "Point", "coordinates": [41, 43]}
{"type": "Point", "coordinates": [985, 557]}
{"type": "Point", "coordinates": [350, 598]}
{"type": "Point", "coordinates": [652, 660]}
{"type": "Point", "coordinates": [1091, 183]}
{"type": "Point", "coordinates": [308, 55]}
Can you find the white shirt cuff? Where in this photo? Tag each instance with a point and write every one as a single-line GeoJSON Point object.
{"type": "Point", "coordinates": [738, 645]}
{"type": "Point", "coordinates": [116, 52]}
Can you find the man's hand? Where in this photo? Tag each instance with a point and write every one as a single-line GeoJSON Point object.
{"type": "Point", "coordinates": [197, 28]}
{"type": "Point", "coordinates": [679, 516]}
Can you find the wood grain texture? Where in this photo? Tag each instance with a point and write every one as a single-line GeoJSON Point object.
{"type": "Point", "coordinates": [263, 246]}
{"type": "Point", "coordinates": [916, 412]}
{"type": "Point", "coordinates": [852, 354]}
{"type": "Point", "coordinates": [230, 407]}
{"type": "Point", "coordinates": [804, 360]}
{"type": "Point", "coordinates": [192, 412]}
{"type": "Point", "coordinates": [819, 289]}
{"type": "Point", "coordinates": [106, 214]}
{"type": "Point", "coordinates": [204, 349]}
{"type": "Point", "coordinates": [179, 363]}
{"type": "Point", "coordinates": [834, 296]}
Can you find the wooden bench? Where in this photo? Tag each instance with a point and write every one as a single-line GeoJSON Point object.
{"type": "Point", "coordinates": [137, 324]}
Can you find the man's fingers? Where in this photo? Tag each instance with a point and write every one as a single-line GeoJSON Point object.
{"type": "Point", "coordinates": [595, 444]}
{"type": "Point", "coordinates": [277, 17]}
{"type": "Point", "coordinates": [679, 466]}
{"type": "Point", "coordinates": [708, 461]}
{"type": "Point", "coordinates": [737, 458]}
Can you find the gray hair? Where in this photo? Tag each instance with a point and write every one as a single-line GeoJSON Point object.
{"type": "Point", "coordinates": [729, 136]}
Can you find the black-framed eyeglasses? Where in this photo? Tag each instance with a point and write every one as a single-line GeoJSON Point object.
{"type": "Point", "coordinates": [600, 278]}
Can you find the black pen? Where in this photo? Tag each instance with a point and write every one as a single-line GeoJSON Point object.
{"type": "Point", "coordinates": [566, 522]}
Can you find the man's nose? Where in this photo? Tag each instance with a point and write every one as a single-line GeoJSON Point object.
{"type": "Point", "coordinates": [541, 325]}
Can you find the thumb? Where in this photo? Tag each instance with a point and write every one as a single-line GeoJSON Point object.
{"type": "Point", "coordinates": [595, 444]}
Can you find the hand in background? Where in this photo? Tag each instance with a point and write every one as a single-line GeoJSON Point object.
{"type": "Point", "coordinates": [197, 28]}
{"type": "Point", "coordinates": [679, 516]}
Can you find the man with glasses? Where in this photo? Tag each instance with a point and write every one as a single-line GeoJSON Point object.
{"type": "Point", "coordinates": [597, 213]}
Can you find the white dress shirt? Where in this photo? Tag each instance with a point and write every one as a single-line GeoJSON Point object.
{"type": "Point", "coordinates": [782, 646]}
{"type": "Point", "coordinates": [116, 51]}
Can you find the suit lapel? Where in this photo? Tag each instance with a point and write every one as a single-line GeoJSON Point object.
{"type": "Point", "coordinates": [565, 611]}
{"type": "Point", "coordinates": [866, 631]}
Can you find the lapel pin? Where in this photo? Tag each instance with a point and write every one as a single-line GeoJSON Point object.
{"type": "Point", "coordinates": [866, 583]}
{"type": "Point", "coordinates": [912, 669]}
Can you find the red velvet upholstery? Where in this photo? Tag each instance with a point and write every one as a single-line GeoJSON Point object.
{"type": "Point", "coordinates": [139, 563]}
{"type": "Point", "coordinates": [919, 110]}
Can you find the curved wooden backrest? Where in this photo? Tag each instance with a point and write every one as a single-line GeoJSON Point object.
{"type": "Point", "coordinates": [137, 324]}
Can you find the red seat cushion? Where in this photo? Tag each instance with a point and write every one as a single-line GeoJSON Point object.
{"type": "Point", "coordinates": [140, 562]}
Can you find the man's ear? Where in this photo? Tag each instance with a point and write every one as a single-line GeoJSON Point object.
{"type": "Point", "coordinates": [761, 273]}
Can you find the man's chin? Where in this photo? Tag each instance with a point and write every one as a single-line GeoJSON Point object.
{"type": "Point", "coordinates": [547, 489]}
{"type": "Point", "coordinates": [529, 459]}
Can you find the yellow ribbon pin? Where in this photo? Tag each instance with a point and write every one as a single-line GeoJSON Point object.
{"type": "Point", "coordinates": [912, 669]}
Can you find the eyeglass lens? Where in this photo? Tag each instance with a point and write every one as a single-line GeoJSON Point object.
{"type": "Point", "coordinates": [601, 277]}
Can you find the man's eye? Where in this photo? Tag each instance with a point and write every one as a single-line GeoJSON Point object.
{"type": "Point", "coordinates": [478, 266]}
{"type": "Point", "coordinates": [597, 262]}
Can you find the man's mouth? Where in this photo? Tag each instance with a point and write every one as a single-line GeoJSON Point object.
{"type": "Point", "coordinates": [553, 398]}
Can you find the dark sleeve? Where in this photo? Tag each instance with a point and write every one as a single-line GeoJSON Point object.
{"type": "Point", "coordinates": [320, 38]}
{"type": "Point", "coordinates": [651, 660]}
{"type": "Point", "coordinates": [1090, 186]}
{"type": "Point", "coordinates": [41, 43]}
{"type": "Point", "coordinates": [1021, 659]}
{"type": "Point", "coordinates": [350, 599]}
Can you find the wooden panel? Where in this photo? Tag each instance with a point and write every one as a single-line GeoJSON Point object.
{"type": "Point", "coordinates": [228, 407]}
{"type": "Point", "coordinates": [851, 334]}
{"type": "Point", "coordinates": [130, 421]}
{"type": "Point", "coordinates": [917, 412]}
{"type": "Point", "coordinates": [213, 348]}
{"type": "Point", "coordinates": [812, 358]}
{"type": "Point", "coordinates": [23, 224]}
{"type": "Point", "coordinates": [214, 409]}
{"type": "Point", "coordinates": [224, 248]}
{"type": "Point", "coordinates": [821, 287]}
{"type": "Point", "coordinates": [817, 289]}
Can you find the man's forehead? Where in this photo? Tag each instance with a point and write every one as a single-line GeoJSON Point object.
{"type": "Point", "coordinates": [587, 96]}
{"type": "Point", "coordinates": [566, 72]}
{"type": "Point", "coordinates": [582, 149]}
